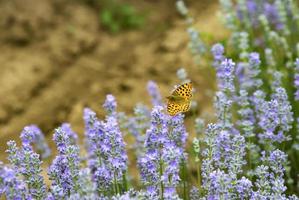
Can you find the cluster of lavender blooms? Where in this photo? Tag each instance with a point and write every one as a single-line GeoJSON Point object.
{"type": "Point", "coordinates": [257, 103]}
{"type": "Point", "coordinates": [196, 45]}
{"type": "Point", "coordinates": [250, 151]}
{"type": "Point", "coordinates": [102, 173]}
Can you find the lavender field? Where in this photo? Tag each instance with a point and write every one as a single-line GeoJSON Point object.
{"type": "Point", "coordinates": [237, 137]}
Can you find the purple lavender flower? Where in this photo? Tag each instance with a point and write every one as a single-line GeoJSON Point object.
{"type": "Point", "coordinates": [275, 117]}
{"type": "Point", "coordinates": [110, 104]}
{"type": "Point", "coordinates": [27, 163]}
{"type": "Point", "coordinates": [165, 140]}
{"type": "Point", "coordinates": [247, 119]}
{"type": "Point", "coordinates": [220, 185]}
{"type": "Point", "coordinates": [244, 188]}
{"type": "Point", "coordinates": [223, 107]}
{"type": "Point", "coordinates": [10, 185]}
{"type": "Point", "coordinates": [252, 9]}
{"type": "Point", "coordinates": [71, 135]}
{"type": "Point", "coordinates": [248, 73]}
{"type": "Point", "coordinates": [194, 193]}
{"type": "Point", "coordinates": [270, 181]}
{"type": "Point", "coordinates": [64, 170]}
{"type": "Point", "coordinates": [217, 51]}
{"type": "Point", "coordinates": [225, 75]}
{"type": "Point", "coordinates": [106, 148]}
{"type": "Point", "coordinates": [33, 135]}
{"type": "Point", "coordinates": [154, 92]}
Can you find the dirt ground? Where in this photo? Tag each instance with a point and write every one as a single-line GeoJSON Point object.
{"type": "Point", "coordinates": [56, 59]}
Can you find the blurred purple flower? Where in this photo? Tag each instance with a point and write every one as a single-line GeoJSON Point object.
{"type": "Point", "coordinates": [154, 92]}
{"type": "Point", "coordinates": [10, 185]}
{"type": "Point", "coordinates": [33, 135]}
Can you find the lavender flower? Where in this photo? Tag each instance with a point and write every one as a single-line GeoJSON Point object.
{"type": "Point", "coordinates": [33, 135]}
{"type": "Point", "coordinates": [244, 188]}
{"type": "Point", "coordinates": [110, 104]}
{"type": "Point", "coordinates": [275, 115]}
{"type": "Point", "coordinates": [196, 45]}
{"type": "Point", "coordinates": [137, 125]}
{"type": "Point", "coordinates": [165, 140]}
{"type": "Point", "coordinates": [217, 51]}
{"type": "Point", "coordinates": [154, 92]}
{"type": "Point", "coordinates": [220, 185]}
{"type": "Point", "coordinates": [64, 170]}
{"type": "Point", "coordinates": [270, 182]}
{"type": "Point", "coordinates": [27, 163]}
{"type": "Point", "coordinates": [194, 193]}
{"type": "Point", "coordinates": [106, 148]}
{"type": "Point", "coordinates": [243, 44]}
{"type": "Point", "coordinates": [248, 73]}
{"type": "Point", "coordinates": [229, 16]}
{"type": "Point", "coordinates": [11, 185]}
{"type": "Point", "coordinates": [247, 119]}
{"type": "Point", "coordinates": [223, 107]}
{"type": "Point", "coordinates": [225, 75]}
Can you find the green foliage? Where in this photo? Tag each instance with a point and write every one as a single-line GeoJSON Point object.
{"type": "Point", "coordinates": [116, 16]}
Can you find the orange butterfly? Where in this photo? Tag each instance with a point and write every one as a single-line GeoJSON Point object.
{"type": "Point", "coordinates": [180, 99]}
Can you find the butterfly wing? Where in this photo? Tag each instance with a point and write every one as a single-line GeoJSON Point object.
{"type": "Point", "coordinates": [186, 106]}
{"type": "Point", "coordinates": [184, 90]}
{"type": "Point", "coordinates": [179, 101]}
{"type": "Point", "coordinates": [173, 108]}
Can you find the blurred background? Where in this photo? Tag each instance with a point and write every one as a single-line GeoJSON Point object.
{"type": "Point", "coordinates": [59, 56]}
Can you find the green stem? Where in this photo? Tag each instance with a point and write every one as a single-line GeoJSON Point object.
{"type": "Point", "coordinates": [161, 182]}
{"type": "Point", "coordinates": [115, 185]}
{"type": "Point", "coordinates": [185, 183]}
{"type": "Point", "coordinates": [125, 183]}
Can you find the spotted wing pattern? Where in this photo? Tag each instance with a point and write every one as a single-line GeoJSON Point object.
{"type": "Point", "coordinates": [173, 106]}
{"type": "Point", "coordinates": [184, 90]}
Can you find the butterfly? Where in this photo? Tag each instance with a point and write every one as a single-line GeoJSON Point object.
{"type": "Point", "coordinates": [179, 100]}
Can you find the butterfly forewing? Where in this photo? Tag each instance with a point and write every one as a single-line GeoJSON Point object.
{"type": "Point", "coordinates": [184, 90]}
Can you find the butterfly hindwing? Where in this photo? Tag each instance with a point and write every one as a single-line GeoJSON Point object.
{"type": "Point", "coordinates": [173, 108]}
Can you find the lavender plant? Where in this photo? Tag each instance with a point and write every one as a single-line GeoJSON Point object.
{"type": "Point", "coordinates": [250, 150]}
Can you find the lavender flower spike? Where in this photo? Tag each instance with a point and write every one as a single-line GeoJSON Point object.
{"type": "Point", "coordinates": [154, 92]}
{"type": "Point", "coordinates": [64, 170]}
{"type": "Point", "coordinates": [33, 135]}
{"type": "Point", "coordinates": [27, 163]}
{"type": "Point", "coordinates": [165, 140]}
{"type": "Point", "coordinates": [10, 185]}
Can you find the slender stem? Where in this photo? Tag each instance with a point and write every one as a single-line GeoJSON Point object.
{"type": "Point", "coordinates": [125, 183]}
{"type": "Point", "coordinates": [199, 175]}
{"type": "Point", "coordinates": [115, 185]}
{"type": "Point", "coordinates": [185, 183]}
{"type": "Point", "coordinates": [161, 182]}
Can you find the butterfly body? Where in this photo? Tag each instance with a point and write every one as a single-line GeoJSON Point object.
{"type": "Point", "coordinates": [179, 100]}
